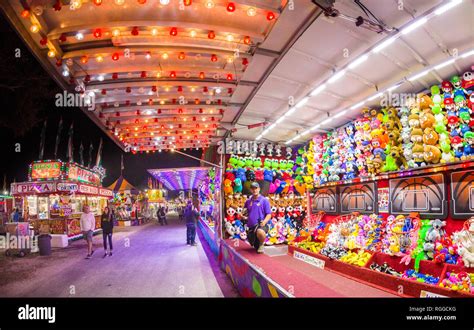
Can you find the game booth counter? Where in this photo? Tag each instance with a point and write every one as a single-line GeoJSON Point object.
{"type": "Point", "coordinates": [128, 203]}
{"type": "Point", "coordinates": [209, 194]}
{"type": "Point", "coordinates": [383, 205]}
{"type": "Point", "coordinates": [52, 198]}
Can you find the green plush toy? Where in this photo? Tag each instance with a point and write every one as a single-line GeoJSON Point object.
{"type": "Point", "coordinates": [418, 253]}
{"type": "Point", "coordinates": [275, 164]}
{"type": "Point", "coordinates": [257, 162]}
{"type": "Point", "coordinates": [248, 162]}
{"type": "Point", "coordinates": [390, 162]}
{"type": "Point", "coordinates": [267, 164]}
{"type": "Point", "coordinates": [241, 162]}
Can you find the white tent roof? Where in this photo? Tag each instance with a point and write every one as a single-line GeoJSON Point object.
{"type": "Point", "coordinates": [330, 44]}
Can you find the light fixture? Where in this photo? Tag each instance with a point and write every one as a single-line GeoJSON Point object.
{"type": "Point", "coordinates": [358, 61]}
{"type": "Point", "coordinates": [154, 31]}
{"type": "Point", "coordinates": [302, 102]}
{"type": "Point", "coordinates": [419, 75]}
{"type": "Point", "coordinates": [51, 53]}
{"type": "Point", "coordinates": [79, 36]}
{"type": "Point", "coordinates": [270, 16]}
{"type": "Point", "coordinates": [355, 106]}
{"type": "Point", "coordinates": [384, 44]}
{"type": "Point", "coordinates": [374, 97]}
{"type": "Point", "coordinates": [467, 54]}
{"type": "Point", "coordinates": [34, 28]}
{"type": "Point", "coordinates": [116, 32]}
{"type": "Point", "coordinates": [193, 33]}
{"type": "Point", "coordinates": [164, 56]}
{"type": "Point", "coordinates": [251, 11]}
{"type": "Point", "coordinates": [230, 37]}
{"type": "Point", "coordinates": [340, 114]}
{"type": "Point", "coordinates": [336, 76]}
{"type": "Point", "coordinates": [324, 122]}
{"type": "Point", "coordinates": [230, 7]}
{"type": "Point", "coordinates": [446, 63]}
{"type": "Point", "coordinates": [209, 4]}
{"type": "Point", "coordinates": [447, 7]}
{"type": "Point", "coordinates": [119, 2]}
{"type": "Point", "coordinates": [65, 73]}
{"type": "Point", "coordinates": [100, 78]}
{"type": "Point", "coordinates": [148, 55]}
{"type": "Point", "coordinates": [218, 90]}
{"type": "Point", "coordinates": [99, 58]}
{"type": "Point", "coordinates": [414, 25]}
{"type": "Point", "coordinates": [164, 2]}
{"type": "Point", "coordinates": [318, 90]}
{"type": "Point", "coordinates": [315, 127]}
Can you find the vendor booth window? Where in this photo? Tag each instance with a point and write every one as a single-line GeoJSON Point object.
{"type": "Point", "coordinates": [32, 205]}
{"type": "Point", "coordinates": [43, 207]}
{"type": "Point", "coordinates": [76, 204]}
{"type": "Point", "coordinates": [94, 204]}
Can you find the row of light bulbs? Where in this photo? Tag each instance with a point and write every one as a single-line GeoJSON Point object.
{"type": "Point", "coordinates": [209, 4]}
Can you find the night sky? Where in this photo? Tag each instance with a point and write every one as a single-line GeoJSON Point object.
{"type": "Point", "coordinates": [24, 108]}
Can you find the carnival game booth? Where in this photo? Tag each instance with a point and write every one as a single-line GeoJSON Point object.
{"type": "Point", "coordinates": [125, 202]}
{"type": "Point", "coordinates": [389, 193]}
{"type": "Point", "coordinates": [53, 197]}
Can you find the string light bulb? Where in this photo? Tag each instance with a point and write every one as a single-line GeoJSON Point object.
{"type": "Point", "coordinates": [34, 28]}
{"type": "Point", "coordinates": [119, 2]}
{"type": "Point", "coordinates": [173, 31]}
{"type": "Point", "coordinates": [192, 33]}
{"type": "Point", "coordinates": [230, 7]}
{"type": "Point", "coordinates": [209, 4]}
{"type": "Point", "coordinates": [51, 53]}
{"type": "Point", "coordinates": [116, 32]}
{"type": "Point", "coordinates": [154, 31]}
{"type": "Point", "coordinates": [252, 11]}
{"type": "Point", "coordinates": [211, 35]}
{"type": "Point", "coordinates": [164, 2]}
{"type": "Point", "coordinates": [164, 56]}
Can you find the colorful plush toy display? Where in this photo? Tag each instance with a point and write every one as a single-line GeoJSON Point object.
{"type": "Point", "coordinates": [430, 129]}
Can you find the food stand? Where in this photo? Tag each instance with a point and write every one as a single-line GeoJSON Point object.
{"type": "Point", "coordinates": [53, 197]}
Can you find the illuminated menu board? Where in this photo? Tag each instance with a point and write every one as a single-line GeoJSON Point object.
{"type": "Point", "coordinates": [82, 175]}
{"type": "Point", "coordinates": [46, 170]}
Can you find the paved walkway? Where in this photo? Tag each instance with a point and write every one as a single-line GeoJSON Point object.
{"type": "Point", "coordinates": [148, 261]}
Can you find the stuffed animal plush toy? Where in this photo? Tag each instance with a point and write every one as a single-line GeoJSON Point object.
{"type": "Point", "coordinates": [431, 154]}
{"type": "Point", "coordinates": [230, 218]}
{"type": "Point", "coordinates": [427, 119]}
{"type": "Point", "coordinates": [240, 174]}
{"type": "Point", "coordinates": [268, 175]}
{"type": "Point", "coordinates": [436, 232]}
{"type": "Point", "coordinates": [259, 174]}
{"type": "Point", "coordinates": [418, 155]}
{"type": "Point", "coordinates": [227, 187]}
{"type": "Point", "coordinates": [430, 137]}
{"type": "Point", "coordinates": [237, 185]}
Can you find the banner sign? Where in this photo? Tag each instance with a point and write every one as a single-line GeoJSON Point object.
{"type": "Point", "coordinates": [33, 188]}
{"type": "Point", "coordinates": [45, 170]}
{"type": "Point", "coordinates": [63, 186]}
{"type": "Point", "coordinates": [82, 175]}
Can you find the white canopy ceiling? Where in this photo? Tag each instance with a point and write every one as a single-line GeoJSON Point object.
{"type": "Point", "coordinates": [247, 96]}
{"type": "Point", "coordinates": [329, 45]}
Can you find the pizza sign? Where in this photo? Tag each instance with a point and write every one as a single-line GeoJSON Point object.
{"type": "Point", "coordinates": [46, 170]}
{"type": "Point", "coordinates": [82, 175]}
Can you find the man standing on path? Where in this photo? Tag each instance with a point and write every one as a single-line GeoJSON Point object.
{"type": "Point", "coordinates": [259, 213]}
{"type": "Point", "coordinates": [191, 215]}
{"type": "Point", "coordinates": [87, 227]}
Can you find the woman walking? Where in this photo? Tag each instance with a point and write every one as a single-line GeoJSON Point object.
{"type": "Point", "coordinates": [107, 225]}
